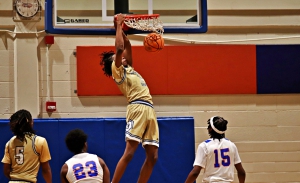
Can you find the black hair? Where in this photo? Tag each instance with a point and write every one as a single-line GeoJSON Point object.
{"type": "Point", "coordinates": [21, 124]}
{"type": "Point", "coordinates": [106, 61]}
{"type": "Point", "coordinates": [220, 124]}
{"type": "Point", "coordinates": [75, 140]}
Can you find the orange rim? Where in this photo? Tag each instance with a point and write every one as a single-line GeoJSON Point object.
{"type": "Point", "coordinates": [142, 16]}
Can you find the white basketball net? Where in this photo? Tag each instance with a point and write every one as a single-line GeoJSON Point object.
{"type": "Point", "coordinates": [145, 24]}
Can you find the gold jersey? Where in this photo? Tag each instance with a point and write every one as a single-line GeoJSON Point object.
{"type": "Point", "coordinates": [25, 156]}
{"type": "Point", "coordinates": [131, 84]}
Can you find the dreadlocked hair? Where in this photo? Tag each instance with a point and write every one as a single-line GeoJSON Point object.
{"type": "Point", "coordinates": [21, 124]}
{"type": "Point", "coordinates": [106, 62]}
{"type": "Point", "coordinates": [75, 140]}
{"type": "Point", "coordinates": [219, 123]}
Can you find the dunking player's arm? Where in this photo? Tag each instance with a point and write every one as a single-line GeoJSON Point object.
{"type": "Point", "coordinates": [127, 52]}
{"type": "Point", "coordinates": [122, 43]}
{"type": "Point", "coordinates": [119, 42]}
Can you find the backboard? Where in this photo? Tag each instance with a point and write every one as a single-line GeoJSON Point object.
{"type": "Point", "coordinates": [96, 16]}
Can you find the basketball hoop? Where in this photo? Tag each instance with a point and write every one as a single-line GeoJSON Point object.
{"type": "Point", "coordinates": [144, 22]}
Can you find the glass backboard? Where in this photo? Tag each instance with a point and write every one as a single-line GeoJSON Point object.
{"type": "Point", "coordinates": [96, 16]}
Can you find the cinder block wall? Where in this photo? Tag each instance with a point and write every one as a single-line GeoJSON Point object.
{"type": "Point", "coordinates": [264, 127]}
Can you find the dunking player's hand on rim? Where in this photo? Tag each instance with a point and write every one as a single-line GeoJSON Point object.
{"type": "Point", "coordinates": [119, 20]}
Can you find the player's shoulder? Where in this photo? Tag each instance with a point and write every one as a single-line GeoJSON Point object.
{"type": "Point", "coordinates": [207, 141]}
{"type": "Point", "coordinates": [228, 141]}
{"type": "Point", "coordinates": [114, 67]}
{"type": "Point", "coordinates": [88, 155]}
{"type": "Point", "coordinates": [210, 140]}
{"type": "Point", "coordinates": [40, 138]}
{"type": "Point", "coordinates": [91, 154]}
{"type": "Point", "coordinates": [12, 138]}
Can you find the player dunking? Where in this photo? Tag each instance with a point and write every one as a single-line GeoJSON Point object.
{"type": "Point", "coordinates": [141, 118]}
{"type": "Point", "coordinates": [217, 156]}
{"type": "Point", "coordinates": [25, 152]}
{"type": "Point", "coordinates": [82, 167]}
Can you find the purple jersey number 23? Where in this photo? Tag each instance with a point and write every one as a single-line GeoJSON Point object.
{"type": "Point", "coordinates": [80, 173]}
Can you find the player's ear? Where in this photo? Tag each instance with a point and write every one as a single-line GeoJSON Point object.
{"type": "Point", "coordinates": [209, 129]}
{"type": "Point", "coordinates": [85, 147]}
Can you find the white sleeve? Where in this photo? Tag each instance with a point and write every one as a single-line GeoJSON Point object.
{"type": "Point", "coordinates": [237, 158]}
{"type": "Point", "coordinates": [201, 156]}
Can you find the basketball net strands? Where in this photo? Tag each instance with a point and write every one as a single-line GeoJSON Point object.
{"type": "Point", "coordinates": [144, 22]}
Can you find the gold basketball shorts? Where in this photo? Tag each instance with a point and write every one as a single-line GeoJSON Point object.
{"type": "Point", "coordinates": [142, 123]}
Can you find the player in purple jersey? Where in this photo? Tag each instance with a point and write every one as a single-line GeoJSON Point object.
{"type": "Point", "coordinates": [217, 156]}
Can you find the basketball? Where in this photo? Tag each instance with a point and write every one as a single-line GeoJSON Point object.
{"type": "Point", "coordinates": [153, 42]}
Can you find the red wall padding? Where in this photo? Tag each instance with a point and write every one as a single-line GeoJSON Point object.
{"type": "Point", "coordinates": [176, 70]}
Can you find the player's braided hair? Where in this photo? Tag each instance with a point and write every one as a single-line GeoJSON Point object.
{"type": "Point", "coordinates": [106, 61]}
{"type": "Point", "coordinates": [75, 140]}
{"type": "Point", "coordinates": [21, 124]}
{"type": "Point", "coordinates": [219, 123]}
